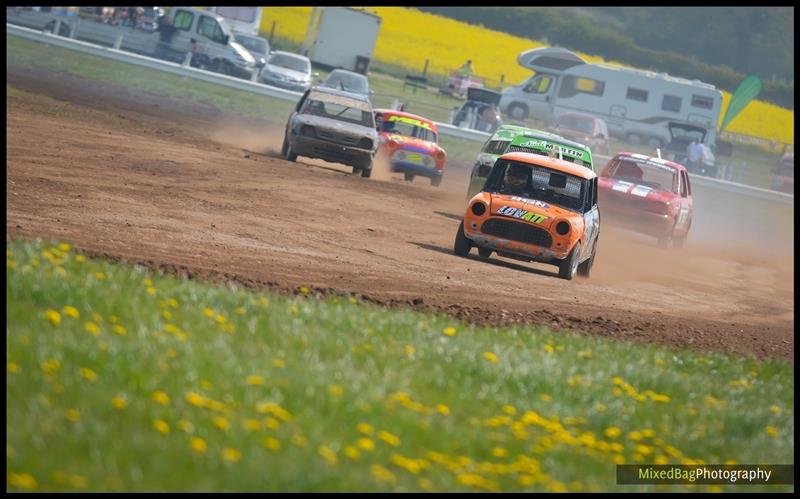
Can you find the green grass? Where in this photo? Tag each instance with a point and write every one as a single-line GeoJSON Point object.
{"type": "Point", "coordinates": [484, 408]}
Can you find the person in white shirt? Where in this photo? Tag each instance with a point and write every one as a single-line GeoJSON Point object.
{"type": "Point", "coordinates": [694, 155]}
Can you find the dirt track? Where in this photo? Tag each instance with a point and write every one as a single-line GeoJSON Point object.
{"type": "Point", "coordinates": [188, 189]}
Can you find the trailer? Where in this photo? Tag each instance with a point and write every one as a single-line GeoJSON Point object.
{"type": "Point", "coordinates": [637, 105]}
{"type": "Point", "coordinates": [246, 20]}
{"type": "Point", "coordinates": [341, 37]}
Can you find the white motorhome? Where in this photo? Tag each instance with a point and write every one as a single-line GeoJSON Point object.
{"type": "Point", "coordinates": [637, 105]}
{"type": "Point", "coordinates": [245, 20]}
{"type": "Point", "coordinates": [341, 37]}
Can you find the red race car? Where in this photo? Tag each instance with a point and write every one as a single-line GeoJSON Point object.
{"type": "Point", "coordinates": [649, 195]}
{"type": "Point", "coordinates": [411, 145]}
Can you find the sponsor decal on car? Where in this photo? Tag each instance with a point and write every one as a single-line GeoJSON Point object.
{"type": "Point", "coordinates": [410, 121]}
{"type": "Point", "coordinates": [534, 202]}
{"type": "Point", "coordinates": [528, 216]}
{"type": "Point", "coordinates": [547, 145]}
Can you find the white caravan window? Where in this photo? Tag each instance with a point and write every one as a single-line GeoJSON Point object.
{"type": "Point", "coordinates": [671, 103]}
{"type": "Point", "coordinates": [637, 94]}
{"type": "Point", "coordinates": [538, 85]}
{"type": "Point", "coordinates": [702, 101]}
{"type": "Point", "coordinates": [572, 85]}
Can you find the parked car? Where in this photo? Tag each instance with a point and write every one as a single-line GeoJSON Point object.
{"type": "Point", "coordinates": [332, 125]}
{"type": "Point", "coordinates": [509, 138]}
{"type": "Point", "coordinates": [257, 46]}
{"type": "Point", "coordinates": [784, 174]}
{"type": "Point", "coordinates": [473, 113]}
{"type": "Point", "coordinates": [583, 128]}
{"type": "Point", "coordinates": [681, 135]}
{"type": "Point", "coordinates": [411, 145]}
{"type": "Point", "coordinates": [535, 208]}
{"type": "Point", "coordinates": [287, 70]}
{"type": "Point", "coordinates": [649, 195]}
{"type": "Point", "coordinates": [347, 80]}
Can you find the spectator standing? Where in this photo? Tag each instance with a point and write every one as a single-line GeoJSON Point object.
{"type": "Point", "coordinates": [694, 155]}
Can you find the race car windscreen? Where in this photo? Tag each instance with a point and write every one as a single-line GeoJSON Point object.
{"type": "Point", "coordinates": [339, 108]}
{"type": "Point", "coordinates": [408, 128]}
{"type": "Point", "coordinates": [540, 183]}
{"type": "Point", "coordinates": [645, 173]}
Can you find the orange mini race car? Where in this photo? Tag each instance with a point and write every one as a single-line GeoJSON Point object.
{"type": "Point", "coordinates": [411, 145]}
{"type": "Point", "coordinates": [535, 208]}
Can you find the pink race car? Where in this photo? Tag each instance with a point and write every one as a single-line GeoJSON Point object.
{"type": "Point", "coordinates": [649, 195]}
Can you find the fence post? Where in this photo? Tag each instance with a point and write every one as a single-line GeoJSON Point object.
{"type": "Point", "coordinates": [271, 33]}
{"type": "Point", "coordinates": [57, 27]}
{"type": "Point", "coordinates": [118, 42]}
{"type": "Point", "coordinates": [502, 79]}
{"type": "Point", "coordinates": [73, 28]}
{"type": "Point", "coordinates": [425, 69]}
{"type": "Point", "coordinates": [188, 59]}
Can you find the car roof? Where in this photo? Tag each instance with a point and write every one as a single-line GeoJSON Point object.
{"type": "Point", "coordinates": [551, 137]}
{"type": "Point", "coordinates": [346, 71]}
{"type": "Point", "coordinates": [405, 114]}
{"type": "Point", "coordinates": [650, 159]}
{"type": "Point", "coordinates": [290, 54]}
{"type": "Point", "coordinates": [342, 93]}
{"type": "Point", "coordinates": [549, 162]}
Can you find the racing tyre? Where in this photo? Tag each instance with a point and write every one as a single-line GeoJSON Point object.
{"type": "Point", "coordinates": [462, 244]}
{"type": "Point", "coordinates": [287, 151]}
{"type": "Point", "coordinates": [568, 267]}
{"type": "Point", "coordinates": [366, 172]}
{"type": "Point", "coordinates": [484, 253]}
{"type": "Point", "coordinates": [518, 111]}
{"type": "Point", "coordinates": [436, 181]}
{"type": "Point", "coordinates": [409, 177]}
{"type": "Point", "coordinates": [586, 267]}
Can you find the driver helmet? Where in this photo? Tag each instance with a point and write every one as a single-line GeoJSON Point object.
{"type": "Point", "coordinates": [517, 176]}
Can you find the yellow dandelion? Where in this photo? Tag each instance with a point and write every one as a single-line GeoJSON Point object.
{"type": "Point", "coordinates": [612, 432]}
{"type": "Point", "coordinates": [195, 399]}
{"type": "Point", "coordinates": [161, 426]}
{"type": "Point", "coordinates": [304, 290]}
{"type": "Point", "coordinates": [351, 452]}
{"type": "Point", "coordinates": [272, 423]}
{"type": "Point", "coordinates": [365, 444]}
{"type": "Point", "coordinates": [172, 302]}
{"type": "Point", "coordinates": [252, 424]}
{"type": "Point", "coordinates": [449, 331]}
{"type": "Point", "coordinates": [382, 474]}
{"type": "Point", "coordinates": [50, 366]}
{"type": "Point", "coordinates": [549, 348]}
{"type": "Point", "coordinates": [99, 276]}
{"type": "Point", "coordinates": [221, 423]}
{"type": "Point", "coordinates": [52, 316]}
{"type": "Point", "coordinates": [409, 350]}
{"type": "Point", "coordinates": [92, 328]}
{"type": "Point", "coordinates": [151, 291]}
{"type": "Point", "coordinates": [328, 455]}
{"type": "Point", "coordinates": [64, 247]}
{"type": "Point", "coordinates": [442, 409]}
{"type": "Point", "coordinates": [272, 443]}
{"type": "Point", "coordinates": [545, 397]}
{"type": "Point", "coordinates": [172, 353]}
{"type": "Point", "coordinates": [13, 367]}
{"type": "Point", "coordinates": [231, 454]}
{"type": "Point", "coordinates": [208, 312]}
{"type": "Point", "coordinates": [772, 431]}
{"type": "Point", "coordinates": [71, 311]}
{"type": "Point", "coordinates": [88, 374]}
{"type": "Point", "coordinates": [491, 357]}
{"type": "Point", "coordinates": [185, 426]}
{"type": "Point", "coordinates": [22, 481]}
{"type": "Point", "coordinates": [336, 390]}
{"type": "Point", "coordinates": [198, 445]}
{"type": "Point", "coordinates": [390, 439]}
{"type": "Point", "coordinates": [499, 452]}
{"type": "Point", "coordinates": [648, 433]}
{"type": "Point", "coordinates": [73, 416]}
{"type": "Point", "coordinates": [80, 258]}
{"type": "Point", "coordinates": [160, 397]}
{"type": "Point", "coordinates": [635, 436]}
{"type": "Point", "coordinates": [220, 319]}
{"type": "Point", "coordinates": [364, 428]}
{"type": "Point", "coordinates": [120, 330]}
{"type": "Point", "coordinates": [352, 300]}
{"type": "Point", "coordinates": [166, 314]}
{"type": "Point", "coordinates": [118, 402]}
{"type": "Point", "coordinates": [240, 310]}
{"type": "Point", "coordinates": [661, 459]}
{"type": "Point", "coordinates": [774, 409]}
{"type": "Point", "coordinates": [147, 283]}
{"type": "Point", "coordinates": [78, 481]}
{"type": "Point", "coordinates": [206, 384]}
{"type": "Point", "coordinates": [278, 363]}
{"type": "Point", "coordinates": [254, 380]}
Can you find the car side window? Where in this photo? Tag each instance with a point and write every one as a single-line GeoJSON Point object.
{"type": "Point", "coordinates": [686, 190]}
{"type": "Point", "coordinates": [301, 101]}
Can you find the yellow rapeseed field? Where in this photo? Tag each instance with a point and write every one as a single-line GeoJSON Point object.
{"type": "Point", "coordinates": [409, 37]}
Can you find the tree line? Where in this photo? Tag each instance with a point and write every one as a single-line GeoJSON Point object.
{"type": "Point", "coordinates": [717, 45]}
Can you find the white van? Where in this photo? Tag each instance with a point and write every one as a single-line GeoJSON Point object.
{"type": "Point", "coordinates": [636, 104]}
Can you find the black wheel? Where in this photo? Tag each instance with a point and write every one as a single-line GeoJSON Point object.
{"type": "Point", "coordinates": [287, 150]}
{"type": "Point", "coordinates": [462, 244]}
{"type": "Point", "coordinates": [484, 253]}
{"type": "Point", "coordinates": [366, 172]}
{"type": "Point", "coordinates": [409, 177]}
{"type": "Point", "coordinates": [568, 267]}
{"type": "Point", "coordinates": [436, 181]}
{"type": "Point", "coordinates": [585, 268]}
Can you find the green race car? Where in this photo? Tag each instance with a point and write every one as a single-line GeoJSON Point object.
{"type": "Point", "coordinates": [513, 138]}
